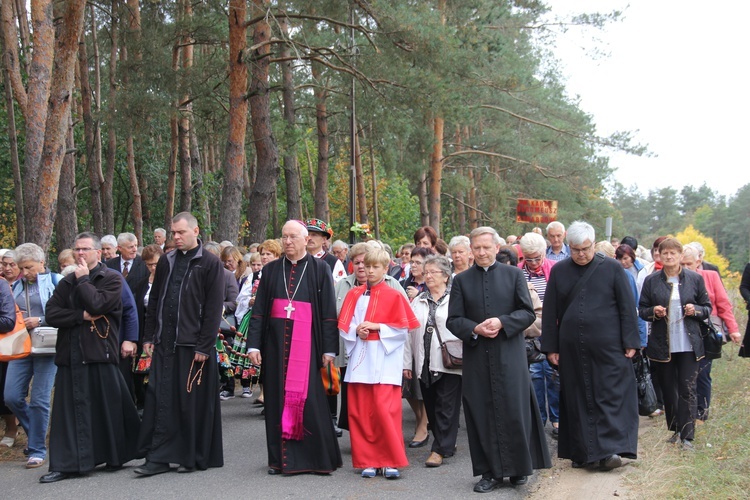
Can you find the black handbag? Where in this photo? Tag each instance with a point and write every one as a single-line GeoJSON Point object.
{"type": "Point", "coordinates": [534, 352]}
{"type": "Point", "coordinates": [647, 401]}
{"type": "Point", "coordinates": [712, 339]}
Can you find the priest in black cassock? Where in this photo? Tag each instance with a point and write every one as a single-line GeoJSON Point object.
{"type": "Point", "coordinates": [489, 310]}
{"type": "Point", "coordinates": [181, 415]}
{"type": "Point", "coordinates": [591, 332]}
{"type": "Point", "coordinates": [293, 333]}
{"type": "Point", "coordinates": [94, 419]}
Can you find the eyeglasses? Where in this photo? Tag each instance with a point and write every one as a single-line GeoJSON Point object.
{"type": "Point", "coordinates": [433, 273]}
{"type": "Point", "coordinates": [535, 259]}
{"type": "Point", "coordinates": [580, 250]}
{"type": "Point", "coordinates": [80, 250]}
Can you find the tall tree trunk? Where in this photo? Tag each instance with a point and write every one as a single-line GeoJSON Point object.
{"type": "Point", "coordinates": [11, 61]}
{"type": "Point", "coordinates": [131, 51]}
{"type": "Point", "coordinates": [14, 162]}
{"type": "Point", "coordinates": [24, 33]}
{"type": "Point", "coordinates": [460, 205]}
{"type": "Point", "coordinates": [265, 145]}
{"type": "Point", "coordinates": [291, 169]}
{"type": "Point", "coordinates": [424, 213]}
{"type": "Point", "coordinates": [436, 174]}
{"type": "Point", "coordinates": [321, 119]}
{"type": "Point", "coordinates": [36, 97]}
{"type": "Point", "coordinates": [473, 214]}
{"type": "Point", "coordinates": [235, 165]}
{"type": "Point", "coordinates": [173, 147]}
{"type": "Point", "coordinates": [172, 172]}
{"type": "Point", "coordinates": [200, 195]}
{"type": "Point", "coordinates": [186, 178]}
{"type": "Point", "coordinates": [360, 179]}
{"type": "Point", "coordinates": [376, 213]}
{"type": "Point", "coordinates": [66, 222]}
{"type": "Point", "coordinates": [108, 205]}
{"type": "Point", "coordinates": [91, 130]}
{"type": "Point", "coordinates": [40, 215]}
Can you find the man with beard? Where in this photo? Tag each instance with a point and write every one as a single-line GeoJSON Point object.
{"type": "Point", "coordinates": [293, 330]}
{"type": "Point", "coordinates": [489, 309]}
{"type": "Point", "coordinates": [93, 419]}
{"type": "Point", "coordinates": [590, 332]}
{"type": "Point", "coordinates": [181, 417]}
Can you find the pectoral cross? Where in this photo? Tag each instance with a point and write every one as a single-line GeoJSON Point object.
{"type": "Point", "coordinates": [289, 309]}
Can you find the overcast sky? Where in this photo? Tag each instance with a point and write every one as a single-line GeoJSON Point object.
{"type": "Point", "coordinates": [676, 73]}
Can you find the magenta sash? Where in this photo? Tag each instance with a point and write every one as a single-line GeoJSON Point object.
{"type": "Point", "coordinates": [298, 367]}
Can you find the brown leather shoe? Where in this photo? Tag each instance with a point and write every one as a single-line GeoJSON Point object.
{"type": "Point", "coordinates": [434, 460]}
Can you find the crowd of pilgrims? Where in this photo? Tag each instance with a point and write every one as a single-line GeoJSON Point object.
{"type": "Point", "coordinates": [393, 313]}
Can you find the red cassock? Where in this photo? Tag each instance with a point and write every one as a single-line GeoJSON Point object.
{"type": "Point", "coordinates": [375, 408]}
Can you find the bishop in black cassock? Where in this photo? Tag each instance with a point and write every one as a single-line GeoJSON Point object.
{"type": "Point", "coordinates": [305, 281]}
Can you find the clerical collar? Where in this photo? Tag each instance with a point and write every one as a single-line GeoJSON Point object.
{"type": "Point", "coordinates": [491, 266]}
{"type": "Point", "coordinates": [294, 262]}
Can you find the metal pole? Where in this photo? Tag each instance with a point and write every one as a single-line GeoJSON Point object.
{"type": "Point", "coordinates": [352, 140]}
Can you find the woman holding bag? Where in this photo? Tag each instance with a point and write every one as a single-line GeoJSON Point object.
{"type": "Point", "coordinates": [7, 323]}
{"type": "Point", "coordinates": [31, 293]}
{"type": "Point", "coordinates": [441, 386]}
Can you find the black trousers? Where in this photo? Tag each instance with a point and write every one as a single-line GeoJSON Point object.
{"type": "Point", "coordinates": [442, 402]}
{"type": "Point", "coordinates": [704, 388]}
{"type": "Point", "coordinates": [677, 379]}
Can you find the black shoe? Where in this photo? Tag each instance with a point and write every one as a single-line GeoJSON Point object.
{"type": "Point", "coordinates": [112, 468]}
{"type": "Point", "coordinates": [519, 480]}
{"type": "Point", "coordinates": [337, 429]}
{"type": "Point", "coordinates": [53, 477]}
{"type": "Point", "coordinates": [581, 465]}
{"type": "Point", "coordinates": [419, 444]}
{"type": "Point", "coordinates": [151, 469]}
{"type": "Point", "coordinates": [182, 469]}
{"type": "Point", "coordinates": [273, 472]}
{"type": "Point", "coordinates": [487, 484]}
{"type": "Point", "coordinates": [611, 462]}
{"type": "Point", "coordinates": [555, 432]}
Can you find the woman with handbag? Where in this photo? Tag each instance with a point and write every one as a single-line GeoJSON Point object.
{"type": "Point", "coordinates": [440, 385]}
{"type": "Point", "coordinates": [7, 324]}
{"type": "Point", "coordinates": [31, 293]}
{"type": "Point", "coordinates": [675, 301]}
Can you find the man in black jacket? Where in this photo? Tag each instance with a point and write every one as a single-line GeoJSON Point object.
{"type": "Point", "coordinates": [181, 418]}
{"type": "Point", "coordinates": [86, 308]}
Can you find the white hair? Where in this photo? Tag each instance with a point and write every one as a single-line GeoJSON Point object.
{"type": "Point", "coordinates": [123, 238]}
{"type": "Point", "coordinates": [339, 244]}
{"type": "Point", "coordinates": [690, 250]}
{"type": "Point", "coordinates": [533, 243]}
{"type": "Point", "coordinates": [299, 225]}
{"type": "Point", "coordinates": [459, 240]}
{"type": "Point", "coordinates": [109, 240]}
{"type": "Point", "coordinates": [579, 232]}
{"type": "Point", "coordinates": [555, 225]}
{"type": "Point", "coordinates": [699, 248]}
{"type": "Point", "coordinates": [485, 230]}
{"type": "Point", "coordinates": [161, 231]}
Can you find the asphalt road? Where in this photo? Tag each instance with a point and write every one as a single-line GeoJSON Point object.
{"type": "Point", "coordinates": [244, 473]}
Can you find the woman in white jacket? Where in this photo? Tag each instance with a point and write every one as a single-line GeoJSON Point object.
{"type": "Point", "coordinates": [441, 386]}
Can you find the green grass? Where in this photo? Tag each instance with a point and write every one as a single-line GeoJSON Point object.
{"type": "Point", "coordinates": [720, 465]}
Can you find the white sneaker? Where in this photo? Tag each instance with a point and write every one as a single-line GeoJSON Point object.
{"type": "Point", "coordinates": [246, 392]}
{"type": "Point", "coordinates": [224, 395]}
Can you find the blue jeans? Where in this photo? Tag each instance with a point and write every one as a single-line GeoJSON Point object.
{"type": "Point", "coordinates": [33, 416]}
{"type": "Point", "coordinates": [547, 390]}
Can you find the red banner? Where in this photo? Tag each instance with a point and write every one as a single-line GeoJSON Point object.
{"type": "Point", "coordinates": [536, 211]}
